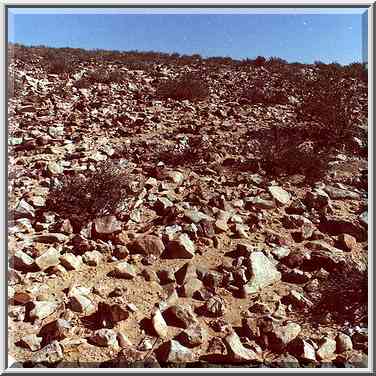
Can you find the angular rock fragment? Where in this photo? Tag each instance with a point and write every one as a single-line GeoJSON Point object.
{"type": "Point", "coordinates": [124, 270]}
{"type": "Point", "coordinates": [326, 350]}
{"type": "Point", "coordinates": [302, 349]}
{"type": "Point", "coordinates": [104, 338]}
{"type": "Point", "coordinates": [279, 194]}
{"type": "Point", "coordinates": [55, 330]}
{"type": "Point", "coordinates": [43, 309]}
{"type": "Point", "coordinates": [52, 353]}
{"type": "Point", "coordinates": [187, 271]}
{"type": "Point", "coordinates": [237, 351]}
{"type": "Point", "coordinates": [180, 316]}
{"type": "Point", "coordinates": [174, 352]}
{"type": "Point", "coordinates": [31, 342]}
{"type": "Point", "coordinates": [175, 176]}
{"type": "Point", "coordinates": [24, 210]}
{"type": "Point", "coordinates": [106, 225]}
{"type": "Point", "coordinates": [50, 238]}
{"type": "Point", "coordinates": [159, 324]}
{"type": "Point", "coordinates": [123, 341]}
{"type": "Point", "coordinates": [282, 335]}
{"type": "Point", "coordinates": [21, 261]}
{"type": "Point", "coordinates": [191, 286]}
{"type": "Point", "coordinates": [192, 336]}
{"type": "Point", "coordinates": [80, 301]}
{"type": "Point", "coordinates": [263, 273]}
{"type": "Point", "coordinates": [181, 247]}
{"type": "Point", "coordinates": [197, 216]}
{"type": "Point", "coordinates": [341, 194]}
{"type": "Point", "coordinates": [347, 242]}
{"type": "Point", "coordinates": [71, 262]}
{"type": "Point", "coordinates": [343, 342]}
{"type": "Point", "coordinates": [92, 258]}
{"type": "Point", "coordinates": [108, 315]}
{"type": "Point", "coordinates": [258, 203]}
{"type": "Point", "coordinates": [148, 245]}
{"type": "Point", "coordinates": [48, 259]}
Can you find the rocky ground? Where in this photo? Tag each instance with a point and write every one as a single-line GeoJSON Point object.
{"type": "Point", "coordinates": [209, 261]}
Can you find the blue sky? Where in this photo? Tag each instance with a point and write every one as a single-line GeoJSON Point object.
{"type": "Point", "coordinates": [294, 35]}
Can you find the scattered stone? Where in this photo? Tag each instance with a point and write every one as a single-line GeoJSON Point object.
{"type": "Point", "coordinates": [196, 216]}
{"type": "Point", "coordinates": [193, 336]}
{"type": "Point", "coordinates": [50, 238]}
{"type": "Point", "coordinates": [162, 204]}
{"type": "Point", "coordinates": [174, 352]}
{"type": "Point", "coordinates": [343, 342]}
{"type": "Point", "coordinates": [282, 335]}
{"type": "Point", "coordinates": [48, 259]}
{"type": "Point", "coordinates": [22, 261]}
{"type": "Point", "coordinates": [80, 301]}
{"type": "Point", "coordinates": [237, 351]}
{"type": "Point", "coordinates": [181, 247]}
{"type": "Point", "coordinates": [123, 341]}
{"type": "Point", "coordinates": [55, 330]}
{"type": "Point", "coordinates": [263, 273]}
{"type": "Point", "coordinates": [92, 258]}
{"type": "Point", "coordinates": [159, 324]}
{"type": "Point", "coordinates": [280, 252]}
{"type": "Point", "coordinates": [181, 315]}
{"type": "Point", "coordinates": [54, 168]}
{"type": "Point", "coordinates": [31, 341]}
{"type": "Point", "coordinates": [341, 194]}
{"type": "Point", "coordinates": [213, 279]}
{"type": "Point", "coordinates": [148, 245]}
{"type": "Point", "coordinates": [302, 349]}
{"type": "Point", "coordinates": [279, 194]}
{"type": "Point", "coordinates": [107, 225]}
{"type": "Point", "coordinates": [191, 286]}
{"type": "Point", "coordinates": [108, 315]}
{"type": "Point", "coordinates": [326, 350]}
{"type": "Point", "coordinates": [124, 270]}
{"type": "Point", "coordinates": [43, 309]}
{"type": "Point", "coordinates": [71, 262]}
{"type": "Point", "coordinates": [22, 297]}
{"type": "Point", "coordinates": [104, 338]}
{"type": "Point", "coordinates": [175, 176]}
{"type": "Point", "coordinates": [258, 203]}
{"type": "Point", "coordinates": [52, 353]}
{"type": "Point", "coordinates": [24, 210]}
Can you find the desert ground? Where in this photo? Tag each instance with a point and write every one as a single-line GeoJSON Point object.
{"type": "Point", "coordinates": [175, 211]}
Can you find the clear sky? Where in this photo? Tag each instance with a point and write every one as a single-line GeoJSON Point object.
{"type": "Point", "coordinates": [294, 35]}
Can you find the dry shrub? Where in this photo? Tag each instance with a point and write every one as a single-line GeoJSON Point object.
{"type": "Point", "coordinates": [344, 294]}
{"type": "Point", "coordinates": [290, 150]}
{"type": "Point", "coordinates": [332, 101]}
{"type": "Point", "coordinates": [104, 76]}
{"type": "Point", "coordinates": [96, 193]}
{"type": "Point", "coordinates": [188, 86]}
{"type": "Point", "coordinates": [261, 95]}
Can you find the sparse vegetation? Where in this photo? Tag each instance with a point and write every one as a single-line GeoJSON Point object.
{"type": "Point", "coordinates": [188, 86]}
{"type": "Point", "coordinates": [95, 193]}
{"type": "Point", "coordinates": [345, 298]}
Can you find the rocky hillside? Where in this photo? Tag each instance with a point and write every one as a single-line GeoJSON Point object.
{"type": "Point", "coordinates": [174, 211]}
